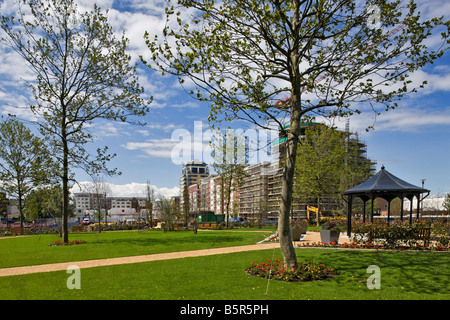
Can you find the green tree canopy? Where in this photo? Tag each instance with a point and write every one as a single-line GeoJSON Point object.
{"type": "Point", "coordinates": [24, 161]}
{"type": "Point", "coordinates": [321, 159]}
{"type": "Point", "coordinates": [46, 202]}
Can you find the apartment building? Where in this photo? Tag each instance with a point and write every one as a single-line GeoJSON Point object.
{"type": "Point", "coordinates": [211, 195]}
{"type": "Point", "coordinates": [194, 198]}
{"type": "Point", "coordinates": [126, 202]}
{"type": "Point", "coordinates": [86, 202]}
{"type": "Point", "coordinates": [253, 191]}
{"type": "Point", "coordinates": [192, 173]}
{"type": "Point", "coordinates": [258, 195]}
{"type": "Point", "coordinates": [118, 208]}
{"type": "Point", "coordinates": [260, 190]}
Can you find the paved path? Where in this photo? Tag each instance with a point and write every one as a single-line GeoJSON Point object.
{"type": "Point", "coordinates": [133, 259]}
{"type": "Point", "coordinates": [310, 237]}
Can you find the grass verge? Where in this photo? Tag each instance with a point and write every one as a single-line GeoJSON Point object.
{"type": "Point", "coordinates": [404, 276]}
{"type": "Point", "coordinates": [34, 250]}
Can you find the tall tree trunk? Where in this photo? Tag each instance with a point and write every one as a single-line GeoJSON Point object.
{"type": "Point", "coordinates": [19, 196]}
{"type": "Point", "coordinates": [21, 216]}
{"type": "Point", "coordinates": [284, 232]}
{"type": "Point", "coordinates": [65, 180]}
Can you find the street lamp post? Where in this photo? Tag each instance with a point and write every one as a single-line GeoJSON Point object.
{"type": "Point", "coordinates": [423, 183]}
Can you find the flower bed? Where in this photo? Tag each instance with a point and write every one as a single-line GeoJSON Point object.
{"type": "Point", "coordinates": [63, 243]}
{"type": "Point", "coordinates": [306, 271]}
{"type": "Point", "coordinates": [371, 246]}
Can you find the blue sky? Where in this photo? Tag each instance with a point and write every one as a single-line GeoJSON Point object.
{"type": "Point", "coordinates": [412, 142]}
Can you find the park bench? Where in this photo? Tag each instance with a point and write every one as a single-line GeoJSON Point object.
{"type": "Point", "coordinates": [16, 231]}
{"type": "Point", "coordinates": [424, 234]}
{"type": "Point", "coordinates": [79, 228]}
{"type": "Point", "coordinates": [207, 225]}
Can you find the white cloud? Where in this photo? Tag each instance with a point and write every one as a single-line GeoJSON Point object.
{"type": "Point", "coordinates": [109, 129]}
{"type": "Point", "coordinates": [412, 120]}
{"type": "Point", "coordinates": [144, 133]}
{"type": "Point", "coordinates": [159, 148]}
{"type": "Point", "coordinates": [433, 8]}
{"type": "Point", "coordinates": [181, 147]}
{"type": "Point", "coordinates": [406, 118]}
{"type": "Point", "coordinates": [132, 189]}
{"type": "Point", "coordinates": [189, 104]}
{"type": "Point", "coordinates": [437, 81]}
{"type": "Point", "coordinates": [162, 127]}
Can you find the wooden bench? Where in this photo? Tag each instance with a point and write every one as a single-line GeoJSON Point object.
{"type": "Point", "coordinates": [207, 225]}
{"type": "Point", "coordinates": [424, 234]}
{"type": "Point", "coordinates": [16, 231]}
{"type": "Point", "coordinates": [371, 236]}
{"type": "Point", "coordinates": [79, 228]}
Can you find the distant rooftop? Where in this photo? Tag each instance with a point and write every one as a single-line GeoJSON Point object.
{"type": "Point", "coordinates": [195, 162]}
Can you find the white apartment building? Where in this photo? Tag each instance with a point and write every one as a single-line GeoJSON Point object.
{"type": "Point", "coordinates": [118, 208]}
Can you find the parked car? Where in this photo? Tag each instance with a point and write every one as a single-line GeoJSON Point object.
{"type": "Point", "coordinates": [85, 221]}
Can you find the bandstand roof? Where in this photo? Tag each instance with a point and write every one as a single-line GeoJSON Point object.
{"type": "Point", "coordinates": [385, 185]}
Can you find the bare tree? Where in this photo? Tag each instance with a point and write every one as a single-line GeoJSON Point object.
{"type": "Point", "coordinates": [168, 213]}
{"type": "Point", "coordinates": [98, 191]}
{"type": "Point", "coordinates": [150, 201]}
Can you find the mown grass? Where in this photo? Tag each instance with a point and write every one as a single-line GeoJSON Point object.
{"type": "Point", "coordinates": [404, 275]}
{"type": "Point", "coordinates": [33, 250]}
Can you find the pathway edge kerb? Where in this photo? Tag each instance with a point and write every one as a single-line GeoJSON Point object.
{"type": "Point", "coordinates": [4, 272]}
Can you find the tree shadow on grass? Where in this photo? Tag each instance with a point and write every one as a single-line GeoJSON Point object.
{"type": "Point", "coordinates": [176, 240]}
{"type": "Point", "coordinates": [419, 272]}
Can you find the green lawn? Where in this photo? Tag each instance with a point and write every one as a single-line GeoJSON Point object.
{"type": "Point", "coordinates": [404, 275]}
{"type": "Point", "coordinates": [33, 250]}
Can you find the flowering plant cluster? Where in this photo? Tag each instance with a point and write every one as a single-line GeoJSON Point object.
{"type": "Point", "coordinates": [64, 243]}
{"type": "Point", "coordinates": [372, 246]}
{"type": "Point", "coordinates": [271, 238]}
{"type": "Point", "coordinates": [305, 271]}
{"type": "Point", "coordinates": [402, 234]}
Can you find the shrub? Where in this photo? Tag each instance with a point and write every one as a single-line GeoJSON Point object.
{"type": "Point", "coordinates": [440, 233]}
{"type": "Point", "coordinates": [398, 233]}
{"type": "Point", "coordinates": [68, 243]}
